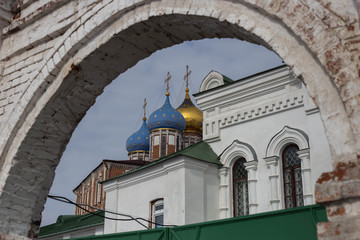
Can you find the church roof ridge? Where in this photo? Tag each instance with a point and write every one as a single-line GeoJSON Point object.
{"type": "Point", "coordinates": [200, 151]}
{"type": "Point", "coordinates": [229, 81]}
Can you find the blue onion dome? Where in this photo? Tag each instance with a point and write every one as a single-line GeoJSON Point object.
{"type": "Point", "coordinates": [167, 117]}
{"type": "Point", "coordinates": [139, 141]}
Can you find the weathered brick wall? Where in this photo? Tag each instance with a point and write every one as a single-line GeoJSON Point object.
{"type": "Point", "coordinates": [57, 56]}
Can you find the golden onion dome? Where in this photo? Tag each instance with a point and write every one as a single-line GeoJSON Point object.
{"type": "Point", "coordinates": [193, 116]}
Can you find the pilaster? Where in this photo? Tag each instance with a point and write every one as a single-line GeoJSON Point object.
{"type": "Point", "coordinates": [224, 193]}
{"type": "Point", "coordinates": [304, 155]}
{"type": "Point", "coordinates": [273, 165]}
{"type": "Point", "coordinates": [251, 168]}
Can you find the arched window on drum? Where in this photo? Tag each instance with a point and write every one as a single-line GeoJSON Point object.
{"type": "Point", "coordinates": [240, 188]}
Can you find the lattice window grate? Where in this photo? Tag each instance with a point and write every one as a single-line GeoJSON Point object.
{"type": "Point", "coordinates": [240, 189]}
{"type": "Point", "coordinates": [293, 189]}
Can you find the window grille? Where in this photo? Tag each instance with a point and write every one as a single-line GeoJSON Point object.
{"type": "Point", "coordinates": [293, 190]}
{"type": "Point", "coordinates": [240, 188]}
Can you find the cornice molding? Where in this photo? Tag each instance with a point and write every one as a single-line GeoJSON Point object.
{"type": "Point", "coordinates": [212, 125]}
{"type": "Point", "coordinates": [242, 90]}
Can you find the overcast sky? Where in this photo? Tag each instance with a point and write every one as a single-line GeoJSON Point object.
{"type": "Point", "coordinates": [117, 113]}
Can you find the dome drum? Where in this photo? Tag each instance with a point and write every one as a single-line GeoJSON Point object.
{"type": "Point", "coordinates": [139, 155]}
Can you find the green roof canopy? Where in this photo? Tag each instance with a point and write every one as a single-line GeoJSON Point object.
{"type": "Point", "coordinates": [67, 223]}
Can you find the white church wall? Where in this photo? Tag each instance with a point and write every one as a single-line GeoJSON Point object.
{"type": "Point", "coordinates": [253, 111]}
{"type": "Point", "coordinates": [201, 192]}
{"type": "Point", "coordinates": [211, 188]}
{"type": "Point", "coordinates": [179, 182]}
{"type": "Point", "coordinates": [263, 130]}
{"type": "Point", "coordinates": [111, 200]}
{"type": "Point", "coordinates": [319, 148]}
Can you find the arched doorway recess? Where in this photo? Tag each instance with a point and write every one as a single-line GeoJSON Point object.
{"type": "Point", "coordinates": [112, 37]}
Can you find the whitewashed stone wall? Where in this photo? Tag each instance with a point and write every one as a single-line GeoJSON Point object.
{"type": "Point", "coordinates": [57, 56]}
{"type": "Point", "coordinates": [188, 187]}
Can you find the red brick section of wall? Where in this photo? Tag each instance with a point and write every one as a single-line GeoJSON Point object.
{"type": "Point", "coordinates": [155, 153]}
{"type": "Point", "coordinates": [339, 191]}
{"type": "Point", "coordinates": [115, 171]}
{"type": "Point", "coordinates": [111, 170]}
{"type": "Point", "coordinates": [170, 149]}
{"type": "Point", "coordinates": [92, 181]}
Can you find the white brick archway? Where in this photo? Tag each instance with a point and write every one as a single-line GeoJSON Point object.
{"type": "Point", "coordinates": [85, 54]}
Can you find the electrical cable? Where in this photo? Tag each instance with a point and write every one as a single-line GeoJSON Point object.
{"type": "Point", "coordinates": [66, 200]}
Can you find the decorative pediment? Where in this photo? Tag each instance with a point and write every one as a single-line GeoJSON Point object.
{"type": "Point", "coordinates": [236, 150]}
{"type": "Point", "coordinates": [212, 80]}
{"type": "Point", "coordinates": [287, 136]}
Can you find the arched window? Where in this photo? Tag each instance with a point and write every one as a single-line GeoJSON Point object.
{"type": "Point", "coordinates": [240, 188]}
{"type": "Point", "coordinates": [293, 190]}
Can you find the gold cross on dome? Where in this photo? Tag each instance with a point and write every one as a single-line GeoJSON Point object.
{"type": "Point", "coordinates": [186, 77]}
{"type": "Point", "coordinates": [167, 80]}
{"type": "Point", "coordinates": [144, 107]}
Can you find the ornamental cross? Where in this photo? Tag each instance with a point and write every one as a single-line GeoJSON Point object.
{"type": "Point", "coordinates": [186, 77]}
{"type": "Point", "coordinates": [144, 107]}
{"type": "Point", "coordinates": [167, 81]}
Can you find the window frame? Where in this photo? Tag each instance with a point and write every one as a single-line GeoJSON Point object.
{"type": "Point", "coordinates": [292, 169]}
{"type": "Point", "coordinates": [236, 180]}
{"type": "Point", "coordinates": [155, 213]}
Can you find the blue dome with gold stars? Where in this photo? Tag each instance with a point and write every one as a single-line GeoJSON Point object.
{"type": "Point", "coordinates": [139, 141]}
{"type": "Point", "coordinates": [167, 117]}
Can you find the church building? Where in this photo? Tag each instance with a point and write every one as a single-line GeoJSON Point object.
{"type": "Point", "coordinates": [263, 148]}
{"type": "Point", "coordinates": [256, 145]}
{"type": "Point", "coordinates": [168, 130]}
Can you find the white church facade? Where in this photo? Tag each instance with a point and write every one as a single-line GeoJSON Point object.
{"type": "Point", "coordinates": [263, 148]}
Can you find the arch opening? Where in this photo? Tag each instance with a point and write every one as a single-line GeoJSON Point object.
{"type": "Point", "coordinates": [57, 106]}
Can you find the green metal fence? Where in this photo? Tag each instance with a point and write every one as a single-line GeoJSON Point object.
{"type": "Point", "coordinates": [290, 224]}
